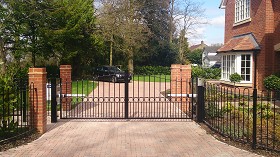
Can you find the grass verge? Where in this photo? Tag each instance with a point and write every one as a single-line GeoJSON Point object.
{"type": "Point", "coordinates": [83, 87]}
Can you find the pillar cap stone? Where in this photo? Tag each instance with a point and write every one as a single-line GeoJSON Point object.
{"type": "Point", "coordinates": [65, 67]}
{"type": "Point", "coordinates": [37, 71]}
{"type": "Point", "coordinates": [175, 66]}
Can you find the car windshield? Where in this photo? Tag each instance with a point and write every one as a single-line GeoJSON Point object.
{"type": "Point", "coordinates": [114, 69]}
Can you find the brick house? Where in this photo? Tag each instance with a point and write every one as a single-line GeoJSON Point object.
{"type": "Point", "coordinates": [200, 46]}
{"type": "Point", "coordinates": [252, 29]}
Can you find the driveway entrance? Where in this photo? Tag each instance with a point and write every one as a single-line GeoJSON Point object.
{"type": "Point", "coordinates": [121, 138]}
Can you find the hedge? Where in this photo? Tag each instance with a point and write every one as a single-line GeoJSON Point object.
{"type": "Point", "coordinates": [151, 70]}
{"type": "Point", "coordinates": [207, 73]}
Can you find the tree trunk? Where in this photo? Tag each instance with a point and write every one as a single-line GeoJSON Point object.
{"type": "Point", "coordinates": [182, 46]}
{"type": "Point", "coordinates": [130, 61]}
{"type": "Point", "coordinates": [111, 51]}
{"type": "Point", "coordinates": [3, 60]}
{"type": "Point", "coordinates": [171, 21]}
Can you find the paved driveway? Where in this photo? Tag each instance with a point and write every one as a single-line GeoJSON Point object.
{"type": "Point", "coordinates": [91, 138]}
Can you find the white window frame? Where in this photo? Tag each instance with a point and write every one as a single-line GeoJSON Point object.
{"type": "Point", "coordinates": [228, 65]}
{"type": "Point", "coordinates": [237, 66]}
{"type": "Point", "coordinates": [242, 10]}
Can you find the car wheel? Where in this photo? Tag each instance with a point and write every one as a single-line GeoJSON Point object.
{"type": "Point", "coordinates": [114, 79]}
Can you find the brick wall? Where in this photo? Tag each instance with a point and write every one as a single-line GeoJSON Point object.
{"type": "Point", "coordinates": [276, 9]}
{"type": "Point", "coordinates": [37, 80]}
{"type": "Point", "coordinates": [181, 83]}
{"type": "Point", "coordinates": [264, 19]}
{"type": "Point", "coordinates": [66, 85]}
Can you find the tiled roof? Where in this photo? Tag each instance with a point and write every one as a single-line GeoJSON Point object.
{"type": "Point", "coordinates": [199, 46]}
{"type": "Point", "coordinates": [212, 49]}
{"type": "Point", "coordinates": [245, 42]}
{"type": "Point", "coordinates": [194, 47]}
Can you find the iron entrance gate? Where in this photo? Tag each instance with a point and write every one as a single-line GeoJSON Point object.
{"type": "Point", "coordinates": [144, 97]}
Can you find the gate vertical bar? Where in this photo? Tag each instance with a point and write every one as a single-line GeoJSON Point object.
{"type": "Point", "coordinates": [126, 95]}
{"type": "Point", "coordinates": [200, 109]}
{"type": "Point", "coordinates": [53, 101]}
{"type": "Point", "coordinates": [255, 93]}
{"type": "Point", "coordinates": [60, 97]}
{"type": "Point", "coordinates": [24, 104]}
{"type": "Point", "coordinates": [192, 106]}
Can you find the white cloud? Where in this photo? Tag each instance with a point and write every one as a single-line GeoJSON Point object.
{"type": "Point", "coordinates": [218, 21]}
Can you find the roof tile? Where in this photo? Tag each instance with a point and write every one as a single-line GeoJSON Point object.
{"type": "Point", "coordinates": [245, 42]}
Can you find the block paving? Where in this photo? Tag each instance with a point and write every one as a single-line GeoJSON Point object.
{"type": "Point", "coordinates": [121, 138]}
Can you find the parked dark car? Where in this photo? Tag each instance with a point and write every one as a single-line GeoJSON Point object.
{"type": "Point", "coordinates": [217, 65]}
{"type": "Point", "coordinates": [110, 73]}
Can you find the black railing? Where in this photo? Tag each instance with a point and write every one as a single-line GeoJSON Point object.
{"type": "Point", "coordinates": [16, 110]}
{"type": "Point", "coordinates": [142, 97]}
{"type": "Point", "coordinates": [268, 120]}
{"type": "Point", "coordinates": [229, 111]}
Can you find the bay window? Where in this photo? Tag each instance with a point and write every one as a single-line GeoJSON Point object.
{"type": "Point", "coordinates": [240, 63]}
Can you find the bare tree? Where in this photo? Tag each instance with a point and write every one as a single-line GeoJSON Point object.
{"type": "Point", "coordinates": [189, 16]}
{"type": "Point", "coordinates": [192, 16]}
{"type": "Point", "coordinates": [186, 15]}
{"type": "Point", "coordinates": [123, 20]}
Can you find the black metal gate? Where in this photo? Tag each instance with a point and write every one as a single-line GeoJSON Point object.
{"type": "Point", "coordinates": [144, 97]}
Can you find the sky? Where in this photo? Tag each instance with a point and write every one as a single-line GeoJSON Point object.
{"type": "Point", "coordinates": [212, 33]}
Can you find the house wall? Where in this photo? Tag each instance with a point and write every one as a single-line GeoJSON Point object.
{"type": "Point", "coordinates": [276, 8]}
{"type": "Point", "coordinates": [262, 25]}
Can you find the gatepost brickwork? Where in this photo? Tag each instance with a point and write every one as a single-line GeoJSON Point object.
{"type": "Point", "coordinates": [66, 86]}
{"type": "Point", "coordinates": [37, 80]}
{"type": "Point", "coordinates": [181, 83]}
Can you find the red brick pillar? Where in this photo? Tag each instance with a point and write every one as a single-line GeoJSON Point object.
{"type": "Point", "coordinates": [175, 78]}
{"type": "Point", "coordinates": [66, 85]}
{"type": "Point", "coordinates": [180, 83]}
{"type": "Point", "coordinates": [186, 75]}
{"type": "Point", "coordinates": [37, 80]}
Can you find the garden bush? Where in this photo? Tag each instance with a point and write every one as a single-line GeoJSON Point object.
{"type": "Point", "coordinates": [207, 73]}
{"type": "Point", "coordinates": [272, 82]}
{"type": "Point", "coordinates": [235, 77]}
{"type": "Point", "coordinates": [152, 70]}
{"type": "Point", "coordinates": [8, 98]}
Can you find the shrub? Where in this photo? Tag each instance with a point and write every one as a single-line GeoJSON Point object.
{"type": "Point", "coordinates": [235, 77]}
{"type": "Point", "coordinates": [8, 98]}
{"type": "Point", "coordinates": [264, 110]}
{"type": "Point", "coordinates": [213, 111]}
{"type": "Point", "coordinates": [272, 82]}
{"type": "Point", "coordinates": [152, 70]}
{"type": "Point", "coordinates": [228, 107]}
{"type": "Point", "coordinates": [207, 73]}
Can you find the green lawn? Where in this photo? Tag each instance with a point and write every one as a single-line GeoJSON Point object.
{"type": "Point", "coordinates": [83, 87]}
{"type": "Point", "coordinates": [78, 87]}
{"type": "Point", "coordinates": [152, 78]}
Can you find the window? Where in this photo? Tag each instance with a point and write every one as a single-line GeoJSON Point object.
{"type": "Point", "coordinates": [246, 67]}
{"type": "Point", "coordinates": [242, 10]}
{"type": "Point", "coordinates": [228, 66]}
{"type": "Point", "coordinates": [237, 63]}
